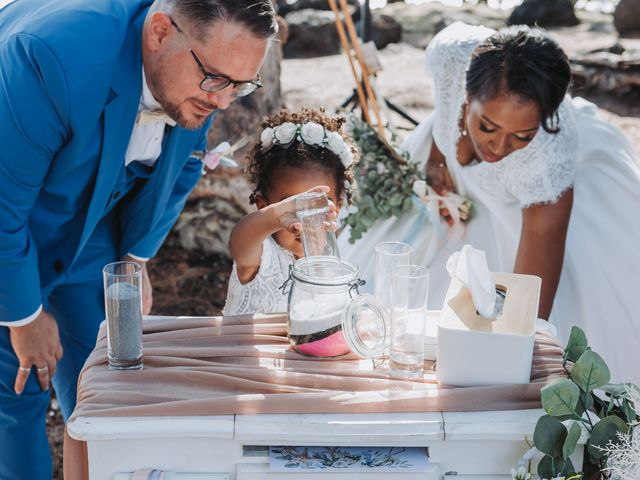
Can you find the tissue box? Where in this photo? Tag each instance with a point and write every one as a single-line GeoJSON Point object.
{"type": "Point", "coordinates": [474, 350]}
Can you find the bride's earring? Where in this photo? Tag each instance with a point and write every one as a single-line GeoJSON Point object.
{"type": "Point", "coordinates": [464, 121]}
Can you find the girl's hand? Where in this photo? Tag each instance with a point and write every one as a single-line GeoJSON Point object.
{"type": "Point", "coordinates": [285, 212]}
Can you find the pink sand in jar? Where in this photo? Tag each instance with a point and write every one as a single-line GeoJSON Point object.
{"type": "Point", "coordinates": [330, 346]}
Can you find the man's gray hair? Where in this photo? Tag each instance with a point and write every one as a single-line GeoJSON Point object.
{"type": "Point", "coordinates": [258, 16]}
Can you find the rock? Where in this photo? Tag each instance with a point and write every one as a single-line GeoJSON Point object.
{"type": "Point", "coordinates": [626, 17]}
{"type": "Point", "coordinates": [287, 6]}
{"type": "Point", "coordinates": [212, 211]}
{"type": "Point", "coordinates": [385, 30]}
{"type": "Point", "coordinates": [312, 33]}
{"type": "Point", "coordinates": [221, 198]}
{"type": "Point", "coordinates": [545, 13]}
{"type": "Point", "coordinates": [419, 23]}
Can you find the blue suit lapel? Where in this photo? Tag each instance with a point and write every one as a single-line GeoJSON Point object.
{"type": "Point", "coordinates": [118, 119]}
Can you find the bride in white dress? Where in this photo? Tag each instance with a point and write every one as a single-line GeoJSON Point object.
{"type": "Point", "coordinates": [555, 189]}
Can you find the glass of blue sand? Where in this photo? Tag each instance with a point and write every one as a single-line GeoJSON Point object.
{"type": "Point", "coordinates": [123, 306]}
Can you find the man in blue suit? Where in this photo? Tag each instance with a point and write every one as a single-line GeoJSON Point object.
{"type": "Point", "coordinates": [102, 103]}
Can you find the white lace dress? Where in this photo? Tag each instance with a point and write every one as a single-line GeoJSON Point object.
{"type": "Point", "coordinates": [599, 288]}
{"type": "Point", "coordinates": [262, 294]}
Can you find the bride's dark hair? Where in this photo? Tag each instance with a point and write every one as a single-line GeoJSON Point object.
{"type": "Point", "coordinates": [526, 62]}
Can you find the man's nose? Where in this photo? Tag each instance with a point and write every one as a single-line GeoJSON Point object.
{"type": "Point", "coordinates": [222, 98]}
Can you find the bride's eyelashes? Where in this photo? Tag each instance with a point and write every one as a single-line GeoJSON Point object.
{"type": "Point", "coordinates": [485, 129]}
{"type": "Point", "coordinates": [526, 139]}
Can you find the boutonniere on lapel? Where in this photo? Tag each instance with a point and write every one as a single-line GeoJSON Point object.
{"type": "Point", "coordinates": [219, 155]}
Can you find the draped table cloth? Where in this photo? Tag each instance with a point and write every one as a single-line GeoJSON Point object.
{"type": "Point", "coordinates": [243, 365]}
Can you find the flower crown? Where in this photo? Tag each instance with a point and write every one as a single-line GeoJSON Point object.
{"type": "Point", "coordinates": [311, 133]}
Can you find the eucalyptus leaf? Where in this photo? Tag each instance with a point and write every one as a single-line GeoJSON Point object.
{"type": "Point", "coordinates": [616, 390]}
{"type": "Point", "coordinates": [560, 398]}
{"type": "Point", "coordinates": [605, 431]}
{"type": "Point", "coordinates": [576, 345]}
{"type": "Point", "coordinates": [590, 371]}
{"type": "Point", "coordinates": [575, 430]}
{"type": "Point", "coordinates": [628, 411]}
{"type": "Point", "coordinates": [367, 221]}
{"type": "Point", "coordinates": [549, 436]}
{"type": "Point", "coordinates": [550, 467]}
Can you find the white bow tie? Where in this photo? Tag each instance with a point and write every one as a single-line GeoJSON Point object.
{"type": "Point", "coordinates": [152, 116]}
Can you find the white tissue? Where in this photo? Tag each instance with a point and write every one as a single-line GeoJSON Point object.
{"type": "Point", "coordinates": [469, 266]}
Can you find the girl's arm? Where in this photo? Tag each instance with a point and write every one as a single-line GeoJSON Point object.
{"type": "Point", "coordinates": [245, 244]}
{"type": "Point", "coordinates": [541, 249]}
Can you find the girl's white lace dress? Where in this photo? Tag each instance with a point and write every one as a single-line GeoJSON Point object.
{"type": "Point", "coordinates": [599, 288]}
{"type": "Point", "coordinates": [262, 294]}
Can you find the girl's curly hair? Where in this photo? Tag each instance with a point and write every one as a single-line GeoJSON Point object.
{"type": "Point", "coordinates": [264, 167]}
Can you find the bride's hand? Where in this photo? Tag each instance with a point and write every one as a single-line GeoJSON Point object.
{"type": "Point", "coordinates": [438, 175]}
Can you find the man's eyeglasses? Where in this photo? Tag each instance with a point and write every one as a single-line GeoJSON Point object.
{"type": "Point", "coordinates": [213, 82]}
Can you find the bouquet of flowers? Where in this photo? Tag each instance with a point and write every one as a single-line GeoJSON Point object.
{"type": "Point", "coordinates": [388, 183]}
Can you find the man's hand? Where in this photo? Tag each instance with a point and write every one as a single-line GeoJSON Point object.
{"type": "Point", "coordinates": [36, 344]}
{"type": "Point", "coordinates": [147, 289]}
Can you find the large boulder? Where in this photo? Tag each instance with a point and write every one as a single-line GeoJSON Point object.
{"type": "Point", "coordinates": [545, 13]}
{"type": "Point", "coordinates": [312, 33]}
{"type": "Point", "coordinates": [286, 6]}
{"type": "Point", "coordinates": [626, 17]}
{"type": "Point", "coordinates": [385, 30]}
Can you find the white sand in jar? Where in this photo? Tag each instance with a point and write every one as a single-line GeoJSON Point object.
{"type": "Point", "coordinates": [308, 316]}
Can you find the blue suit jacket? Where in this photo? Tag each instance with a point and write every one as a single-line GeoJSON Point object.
{"type": "Point", "coordinates": [70, 85]}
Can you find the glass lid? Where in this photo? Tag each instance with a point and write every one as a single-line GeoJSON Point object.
{"type": "Point", "coordinates": [365, 325]}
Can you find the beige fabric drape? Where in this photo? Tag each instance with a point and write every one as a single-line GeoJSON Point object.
{"type": "Point", "coordinates": [243, 365]}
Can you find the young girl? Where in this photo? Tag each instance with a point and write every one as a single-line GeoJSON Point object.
{"type": "Point", "coordinates": [297, 152]}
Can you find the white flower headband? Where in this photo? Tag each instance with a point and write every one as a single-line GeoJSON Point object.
{"type": "Point", "coordinates": [311, 133]}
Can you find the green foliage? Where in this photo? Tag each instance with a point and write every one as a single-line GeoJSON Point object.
{"type": "Point", "coordinates": [583, 401]}
{"type": "Point", "coordinates": [560, 398]}
{"type": "Point", "coordinates": [576, 345]}
{"type": "Point", "coordinates": [385, 180]}
{"type": "Point", "coordinates": [590, 371]}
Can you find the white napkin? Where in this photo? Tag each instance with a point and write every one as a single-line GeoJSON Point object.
{"type": "Point", "coordinates": [469, 266]}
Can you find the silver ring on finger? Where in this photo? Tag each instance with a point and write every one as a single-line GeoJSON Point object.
{"type": "Point", "coordinates": [44, 369]}
{"type": "Point", "coordinates": [24, 369]}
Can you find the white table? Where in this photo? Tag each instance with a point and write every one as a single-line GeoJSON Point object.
{"type": "Point", "coordinates": [464, 446]}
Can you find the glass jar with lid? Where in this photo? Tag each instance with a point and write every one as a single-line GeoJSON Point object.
{"type": "Point", "coordinates": [327, 315]}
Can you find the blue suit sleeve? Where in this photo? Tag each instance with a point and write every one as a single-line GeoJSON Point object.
{"type": "Point", "coordinates": [187, 180]}
{"type": "Point", "coordinates": [34, 111]}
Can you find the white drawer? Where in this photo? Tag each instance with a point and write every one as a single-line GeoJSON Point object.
{"type": "Point", "coordinates": [179, 476]}
{"type": "Point", "coordinates": [260, 471]}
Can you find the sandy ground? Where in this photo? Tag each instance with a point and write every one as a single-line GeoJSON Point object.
{"type": "Point", "coordinates": [327, 81]}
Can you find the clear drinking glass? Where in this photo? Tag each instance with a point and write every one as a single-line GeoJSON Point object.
{"type": "Point", "coordinates": [123, 306]}
{"type": "Point", "coordinates": [409, 290]}
{"type": "Point", "coordinates": [318, 239]}
{"type": "Point", "coordinates": [388, 256]}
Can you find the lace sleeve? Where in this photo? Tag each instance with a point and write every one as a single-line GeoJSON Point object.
{"type": "Point", "coordinates": [262, 294]}
{"type": "Point", "coordinates": [540, 175]}
{"type": "Point", "coordinates": [447, 59]}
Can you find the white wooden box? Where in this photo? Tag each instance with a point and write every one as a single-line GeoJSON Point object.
{"type": "Point", "coordinates": [462, 446]}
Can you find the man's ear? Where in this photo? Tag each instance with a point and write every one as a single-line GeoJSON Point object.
{"type": "Point", "coordinates": [159, 30]}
